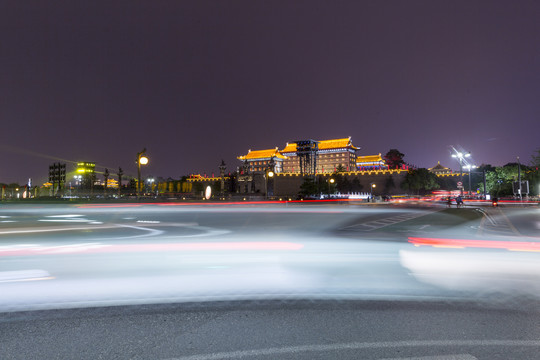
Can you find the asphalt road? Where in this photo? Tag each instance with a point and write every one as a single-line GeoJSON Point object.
{"type": "Point", "coordinates": [274, 330]}
{"type": "Point", "coordinates": [100, 255]}
{"type": "Point", "coordinates": [292, 281]}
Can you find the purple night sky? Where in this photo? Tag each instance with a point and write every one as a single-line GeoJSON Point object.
{"type": "Point", "coordinates": [199, 81]}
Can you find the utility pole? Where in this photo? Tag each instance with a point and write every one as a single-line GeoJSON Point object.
{"type": "Point", "coordinates": [222, 169]}
{"type": "Point", "coordinates": [106, 176]}
{"type": "Point", "coordinates": [484, 173]}
{"type": "Point", "coordinates": [120, 173]}
{"type": "Point", "coordinates": [519, 179]}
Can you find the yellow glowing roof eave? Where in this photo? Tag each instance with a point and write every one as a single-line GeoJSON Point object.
{"type": "Point", "coordinates": [369, 158]}
{"type": "Point", "coordinates": [439, 167]}
{"type": "Point", "coordinates": [325, 145]}
{"type": "Point", "coordinates": [262, 154]}
{"type": "Point", "coordinates": [336, 143]}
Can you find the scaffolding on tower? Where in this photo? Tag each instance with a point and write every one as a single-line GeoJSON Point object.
{"type": "Point", "coordinates": [307, 152]}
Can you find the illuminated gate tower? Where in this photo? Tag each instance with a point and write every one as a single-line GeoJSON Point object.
{"type": "Point", "coordinates": [330, 155]}
{"type": "Point", "coordinates": [259, 160]}
{"type": "Point", "coordinates": [306, 151]}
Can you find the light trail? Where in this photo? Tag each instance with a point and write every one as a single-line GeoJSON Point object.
{"type": "Point", "coordinates": [97, 248]}
{"type": "Point", "coordinates": [465, 243]}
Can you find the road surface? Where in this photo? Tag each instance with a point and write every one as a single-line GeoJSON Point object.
{"type": "Point", "coordinates": [171, 281]}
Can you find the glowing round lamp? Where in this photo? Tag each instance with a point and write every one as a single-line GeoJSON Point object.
{"type": "Point", "coordinates": [143, 160]}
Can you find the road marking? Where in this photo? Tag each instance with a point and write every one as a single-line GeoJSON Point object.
{"type": "Point", "coordinates": [496, 227]}
{"type": "Point", "coordinates": [380, 223]}
{"type": "Point", "coordinates": [438, 357]}
{"type": "Point", "coordinates": [66, 220]}
{"type": "Point", "coordinates": [64, 216]}
{"type": "Point", "coordinates": [31, 231]}
{"type": "Point", "coordinates": [36, 249]}
{"type": "Point", "coordinates": [356, 346]}
{"type": "Point", "coordinates": [512, 227]}
{"type": "Point", "coordinates": [151, 232]}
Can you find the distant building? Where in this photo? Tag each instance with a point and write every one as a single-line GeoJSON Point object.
{"type": "Point", "coordinates": [331, 154]}
{"type": "Point", "coordinates": [371, 162]}
{"type": "Point", "coordinates": [259, 160]}
{"type": "Point", "coordinates": [439, 169]}
{"type": "Point", "coordinates": [85, 174]}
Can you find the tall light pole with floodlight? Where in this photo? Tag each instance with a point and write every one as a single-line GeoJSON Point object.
{"type": "Point", "coordinates": [469, 167]}
{"type": "Point", "coordinates": [141, 160]}
{"type": "Point", "coordinates": [462, 159]}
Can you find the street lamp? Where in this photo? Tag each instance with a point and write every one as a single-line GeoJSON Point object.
{"type": "Point", "coordinates": [331, 182]}
{"type": "Point", "coordinates": [141, 160]}
{"type": "Point", "coordinates": [462, 159]}
{"type": "Point", "coordinates": [469, 167]}
{"type": "Point", "coordinates": [371, 187]}
{"type": "Point", "coordinates": [269, 174]}
{"type": "Point", "coordinates": [151, 182]}
{"type": "Point", "coordinates": [519, 179]}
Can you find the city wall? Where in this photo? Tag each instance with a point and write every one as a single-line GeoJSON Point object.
{"type": "Point", "coordinates": [387, 182]}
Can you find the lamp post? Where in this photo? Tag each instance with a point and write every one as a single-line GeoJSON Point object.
{"type": "Point", "coordinates": [120, 173]}
{"type": "Point", "coordinates": [106, 178]}
{"type": "Point", "coordinates": [222, 169]}
{"type": "Point", "coordinates": [469, 167]}
{"type": "Point", "coordinates": [331, 182]}
{"type": "Point", "coordinates": [371, 187]}
{"type": "Point", "coordinates": [461, 158]}
{"type": "Point", "coordinates": [268, 173]}
{"type": "Point", "coordinates": [519, 179]}
{"type": "Point", "coordinates": [151, 182]}
{"type": "Point", "coordinates": [141, 160]}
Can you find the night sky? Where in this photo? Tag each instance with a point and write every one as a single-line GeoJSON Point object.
{"type": "Point", "coordinates": [199, 81]}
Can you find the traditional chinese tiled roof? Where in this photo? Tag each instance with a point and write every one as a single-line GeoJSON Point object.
{"type": "Point", "coordinates": [369, 159]}
{"type": "Point", "coordinates": [439, 167]}
{"type": "Point", "coordinates": [336, 144]}
{"type": "Point", "coordinates": [290, 147]}
{"type": "Point", "coordinates": [262, 154]}
{"type": "Point", "coordinates": [325, 145]}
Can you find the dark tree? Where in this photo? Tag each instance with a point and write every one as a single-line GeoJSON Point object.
{"type": "Point", "coordinates": [535, 162]}
{"type": "Point", "coordinates": [308, 187]}
{"type": "Point", "coordinates": [420, 180]}
{"type": "Point", "coordinates": [106, 178]}
{"type": "Point", "coordinates": [120, 173]}
{"type": "Point", "coordinates": [389, 184]}
{"type": "Point", "coordinates": [356, 185]}
{"type": "Point", "coordinates": [394, 158]}
{"type": "Point", "coordinates": [343, 185]}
